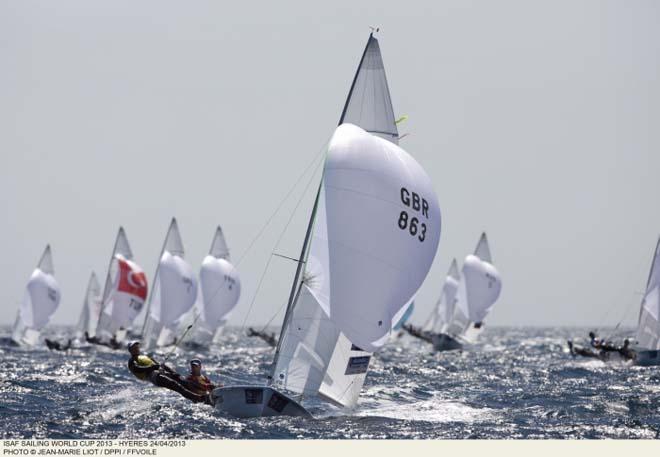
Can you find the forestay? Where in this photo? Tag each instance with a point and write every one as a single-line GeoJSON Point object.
{"type": "Point", "coordinates": [91, 309]}
{"type": "Point", "coordinates": [648, 328]}
{"type": "Point", "coordinates": [173, 294]}
{"type": "Point", "coordinates": [41, 299]}
{"type": "Point", "coordinates": [124, 292]}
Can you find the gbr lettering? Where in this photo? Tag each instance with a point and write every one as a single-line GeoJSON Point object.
{"type": "Point", "coordinates": [419, 208]}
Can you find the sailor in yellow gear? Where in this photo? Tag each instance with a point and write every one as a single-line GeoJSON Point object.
{"type": "Point", "coordinates": [147, 369]}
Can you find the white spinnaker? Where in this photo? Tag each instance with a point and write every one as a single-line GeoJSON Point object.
{"type": "Point", "coordinates": [221, 290]}
{"type": "Point", "coordinates": [369, 105]}
{"type": "Point", "coordinates": [91, 309]}
{"type": "Point", "coordinates": [120, 305]}
{"type": "Point", "coordinates": [648, 327]}
{"type": "Point", "coordinates": [375, 235]}
{"type": "Point", "coordinates": [173, 294]}
{"type": "Point", "coordinates": [40, 301]}
{"type": "Point", "coordinates": [480, 284]}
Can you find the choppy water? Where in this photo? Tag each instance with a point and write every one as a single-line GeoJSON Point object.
{"type": "Point", "coordinates": [517, 383]}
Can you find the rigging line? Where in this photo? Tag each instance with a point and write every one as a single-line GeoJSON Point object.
{"type": "Point", "coordinates": [279, 206]}
{"type": "Point", "coordinates": [279, 239]}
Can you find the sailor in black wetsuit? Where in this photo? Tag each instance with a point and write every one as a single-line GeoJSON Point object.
{"type": "Point", "coordinates": [147, 369]}
{"type": "Point", "coordinates": [418, 333]}
{"type": "Point", "coordinates": [56, 345]}
{"type": "Point", "coordinates": [626, 352]}
{"type": "Point", "coordinates": [270, 339]}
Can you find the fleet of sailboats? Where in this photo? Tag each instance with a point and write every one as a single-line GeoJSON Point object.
{"type": "Point", "coordinates": [372, 236]}
{"type": "Point", "coordinates": [465, 301]}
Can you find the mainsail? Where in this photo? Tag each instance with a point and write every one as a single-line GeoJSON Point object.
{"type": "Point", "coordinates": [41, 299]}
{"type": "Point", "coordinates": [479, 287]}
{"type": "Point", "coordinates": [91, 309]}
{"type": "Point", "coordinates": [443, 312]}
{"type": "Point", "coordinates": [369, 104]}
{"type": "Point", "coordinates": [173, 293]}
{"type": "Point", "coordinates": [124, 292]}
{"type": "Point", "coordinates": [220, 285]}
{"type": "Point", "coordinates": [648, 327]}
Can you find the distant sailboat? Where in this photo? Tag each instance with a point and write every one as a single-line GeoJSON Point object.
{"type": "Point", "coordinates": [372, 236]}
{"type": "Point", "coordinates": [173, 293]}
{"type": "Point", "coordinates": [41, 299]}
{"type": "Point", "coordinates": [91, 309]}
{"type": "Point", "coordinates": [124, 292]}
{"type": "Point", "coordinates": [648, 328]}
{"type": "Point", "coordinates": [465, 301]}
{"type": "Point", "coordinates": [220, 285]}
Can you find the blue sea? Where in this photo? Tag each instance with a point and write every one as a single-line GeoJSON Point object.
{"type": "Point", "coordinates": [516, 383]}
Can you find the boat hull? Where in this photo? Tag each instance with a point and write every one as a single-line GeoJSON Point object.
{"type": "Point", "coordinates": [256, 401]}
{"type": "Point", "coordinates": [647, 358]}
{"type": "Point", "coordinates": [444, 342]}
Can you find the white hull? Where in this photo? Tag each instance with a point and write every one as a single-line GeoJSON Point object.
{"type": "Point", "coordinates": [256, 401]}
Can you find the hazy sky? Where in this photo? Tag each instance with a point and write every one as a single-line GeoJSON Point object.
{"type": "Point", "coordinates": [537, 122]}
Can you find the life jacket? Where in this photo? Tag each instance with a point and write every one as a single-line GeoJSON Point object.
{"type": "Point", "coordinates": [199, 383]}
{"type": "Point", "coordinates": [140, 366]}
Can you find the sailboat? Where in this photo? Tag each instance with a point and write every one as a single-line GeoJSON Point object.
{"type": "Point", "coordinates": [41, 299]}
{"type": "Point", "coordinates": [220, 286]}
{"type": "Point", "coordinates": [124, 292]}
{"type": "Point", "coordinates": [465, 301]}
{"type": "Point", "coordinates": [372, 236]}
{"type": "Point", "coordinates": [173, 293]}
{"type": "Point", "coordinates": [91, 309]}
{"type": "Point", "coordinates": [647, 349]}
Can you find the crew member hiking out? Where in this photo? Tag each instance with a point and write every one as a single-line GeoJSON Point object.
{"type": "Point", "coordinates": [147, 369]}
{"type": "Point", "coordinates": [196, 381]}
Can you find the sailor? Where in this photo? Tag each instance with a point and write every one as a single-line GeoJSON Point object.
{"type": "Point", "coordinates": [56, 345]}
{"type": "Point", "coordinates": [625, 351]}
{"type": "Point", "coordinates": [147, 369]}
{"type": "Point", "coordinates": [584, 352]}
{"type": "Point", "coordinates": [196, 381]}
{"type": "Point", "coordinates": [596, 343]}
{"type": "Point", "coordinates": [270, 339]}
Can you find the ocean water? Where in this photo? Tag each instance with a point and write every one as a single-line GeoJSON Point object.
{"type": "Point", "coordinates": [516, 383]}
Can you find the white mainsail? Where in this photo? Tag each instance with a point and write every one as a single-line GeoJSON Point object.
{"type": "Point", "coordinates": [220, 285]}
{"type": "Point", "coordinates": [648, 327]}
{"type": "Point", "coordinates": [41, 299]}
{"type": "Point", "coordinates": [124, 292]}
{"type": "Point", "coordinates": [443, 312]}
{"type": "Point", "coordinates": [173, 293]}
{"type": "Point", "coordinates": [91, 309]}
{"type": "Point", "coordinates": [478, 290]}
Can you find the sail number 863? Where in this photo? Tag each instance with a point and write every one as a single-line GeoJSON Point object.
{"type": "Point", "coordinates": [412, 223]}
